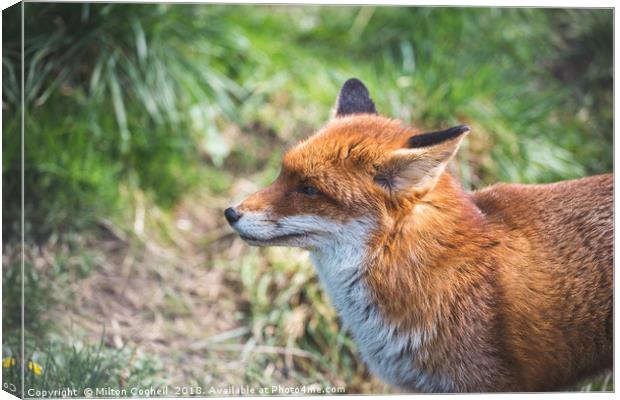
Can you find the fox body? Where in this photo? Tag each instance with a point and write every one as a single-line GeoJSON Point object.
{"type": "Point", "coordinates": [504, 289]}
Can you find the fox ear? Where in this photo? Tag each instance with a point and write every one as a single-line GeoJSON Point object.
{"type": "Point", "coordinates": [419, 165]}
{"type": "Point", "coordinates": [354, 99]}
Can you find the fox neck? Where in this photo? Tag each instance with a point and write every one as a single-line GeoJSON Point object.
{"type": "Point", "coordinates": [377, 277]}
{"type": "Point", "coordinates": [416, 252]}
{"type": "Point", "coordinates": [341, 266]}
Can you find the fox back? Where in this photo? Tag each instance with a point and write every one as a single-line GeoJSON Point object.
{"type": "Point", "coordinates": [505, 289]}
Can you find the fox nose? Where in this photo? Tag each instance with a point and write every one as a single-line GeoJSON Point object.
{"type": "Point", "coordinates": [232, 215]}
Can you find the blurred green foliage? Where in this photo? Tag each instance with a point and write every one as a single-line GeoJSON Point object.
{"type": "Point", "coordinates": [115, 94]}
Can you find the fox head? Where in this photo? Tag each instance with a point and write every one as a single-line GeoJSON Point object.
{"type": "Point", "coordinates": [358, 173]}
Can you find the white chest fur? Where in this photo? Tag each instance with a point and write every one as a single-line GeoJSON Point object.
{"type": "Point", "coordinates": [389, 353]}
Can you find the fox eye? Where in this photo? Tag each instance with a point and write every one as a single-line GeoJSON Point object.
{"type": "Point", "coordinates": [309, 190]}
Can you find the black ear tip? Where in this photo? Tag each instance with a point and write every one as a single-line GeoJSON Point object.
{"type": "Point", "coordinates": [354, 84]}
{"type": "Point", "coordinates": [354, 98]}
{"type": "Point", "coordinates": [462, 128]}
{"type": "Point", "coordinates": [433, 138]}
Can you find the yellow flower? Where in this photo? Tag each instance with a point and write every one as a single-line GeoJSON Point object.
{"type": "Point", "coordinates": [35, 367]}
{"type": "Point", "coordinates": [8, 362]}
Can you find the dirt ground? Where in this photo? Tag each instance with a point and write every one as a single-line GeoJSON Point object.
{"type": "Point", "coordinates": [161, 299]}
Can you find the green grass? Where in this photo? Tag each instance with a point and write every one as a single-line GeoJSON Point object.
{"type": "Point", "coordinates": [136, 107]}
{"type": "Point", "coordinates": [124, 108]}
{"type": "Point", "coordinates": [77, 367]}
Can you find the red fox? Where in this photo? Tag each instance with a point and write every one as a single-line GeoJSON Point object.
{"type": "Point", "coordinates": [505, 289]}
